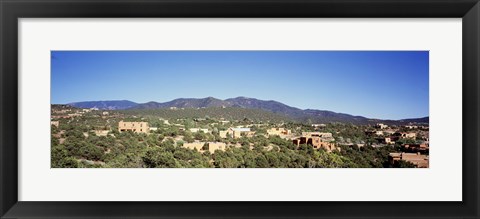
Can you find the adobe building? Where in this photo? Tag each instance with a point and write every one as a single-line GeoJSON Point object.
{"type": "Point", "coordinates": [409, 134]}
{"type": "Point", "coordinates": [55, 123]}
{"type": "Point", "coordinates": [420, 161]}
{"type": "Point", "coordinates": [194, 145]}
{"type": "Point", "coordinates": [278, 131]}
{"type": "Point", "coordinates": [237, 133]}
{"type": "Point", "coordinates": [387, 140]}
{"type": "Point", "coordinates": [326, 136]}
{"type": "Point", "coordinates": [316, 143]}
{"type": "Point", "coordinates": [195, 130]}
{"type": "Point", "coordinates": [223, 134]}
{"type": "Point", "coordinates": [213, 146]}
{"type": "Point", "coordinates": [381, 126]}
{"type": "Point", "coordinates": [101, 132]}
{"type": "Point", "coordinates": [406, 134]}
{"type": "Point", "coordinates": [318, 126]}
{"type": "Point", "coordinates": [422, 148]}
{"type": "Point", "coordinates": [317, 140]}
{"type": "Point", "coordinates": [137, 127]}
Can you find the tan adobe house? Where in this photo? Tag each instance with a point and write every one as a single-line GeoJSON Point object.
{"type": "Point", "coordinates": [212, 146]}
{"type": "Point", "coordinates": [317, 140]}
{"type": "Point", "coordinates": [278, 131]}
{"type": "Point", "coordinates": [137, 127]}
{"type": "Point", "coordinates": [55, 123]}
{"type": "Point", "coordinates": [237, 133]}
{"type": "Point", "coordinates": [194, 145]}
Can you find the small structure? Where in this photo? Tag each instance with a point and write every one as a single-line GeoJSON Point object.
{"type": "Point", "coordinates": [55, 123]}
{"type": "Point", "coordinates": [326, 136]}
{"type": "Point", "coordinates": [316, 126]}
{"type": "Point", "coordinates": [381, 126]}
{"type": "Point", "coordinates": [101, 132]}
{"type": "Point", "coordinates": [278, 131]}
{"type": "Point", "coordinates": [420, 161]}
{"type": "Point", "coordinates": [317, 140]}
{"type": "Point", "coordinates": [213, 146]}
{"type": "Point", "coordinates": [422, 148]}
{"type": "Point", "coordinates": [237, 132]}
{"type": "Point", "coordinates": [409, 135]}
{"type": "Point", "coordinates": [74, 115]}
{"type": "Point", "coordinates": [387, 140]}
{"type": "Point", "coordinates": [194, 145]}
{"type": "Point", "coordinates": [137, 127]}
{"type": "Point", "coordinates": [195, 130]}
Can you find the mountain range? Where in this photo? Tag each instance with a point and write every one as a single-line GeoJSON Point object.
{"type": "Point", "coordinates": [105, 105]}
{"type": "Point", "coordinates": [307, 115]}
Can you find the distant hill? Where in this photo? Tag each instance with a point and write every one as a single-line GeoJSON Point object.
{"type": "Point", "coordinates": [105, 105]}
{"type": "Point", "coordinates": [184, 103]}
{"type": "Point", "coordinates": [62, 107]}
{"type": "Point", "coordinates": [268, 105]}
{"type": "Point", "coordinates": [277, 108]}
{"type": "Point", "coordinates": [309, 115]}
{"type": "Point", "coordinates": [229, 113]}
{"type": "Point", "coordinates": [424, 120]}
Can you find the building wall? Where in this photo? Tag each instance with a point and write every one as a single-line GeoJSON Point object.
{"type": "Point", "coordinates": [319, 134]}
{"type": "Point", "coordinates": [421, 161]}
{"type": "Point", "coordinates": [137, 127]}
{"type": "Point", "coordinates": [237, 134]}
{"type": "Point", "coordinates": [55, 123]}
{"type": "Point", "coordinates": [212, 146]}
{"type": "Point", "coordinates": [409, 135]}
{"type": "Point", "coordinates": [223, 134]}
{"type": "Point", "coordinates": [194, 145]}
{"type": "Point", "coordinates": [195, 130]}
{"type": "Point", "coordinates": [316, 142]}
{"type": "Point", "coordinates": [101, 132]}
{"type": "Point", "coordinates": [278, 131]}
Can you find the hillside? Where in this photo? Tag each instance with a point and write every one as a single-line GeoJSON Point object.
{"type": "Point", "coordinates": [105, 105]}
{"type": "Point", "coordinates": [233, 104]}
{"type": "Point", "coordinates": [229, 113]}
{"type": "Point", "coordinates": [184, 103]}
{"type": "Point", "coordinates": [309, 115]}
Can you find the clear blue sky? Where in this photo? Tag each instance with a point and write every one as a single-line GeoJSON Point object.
{"type": "Point", "coordinates": [374, 84]}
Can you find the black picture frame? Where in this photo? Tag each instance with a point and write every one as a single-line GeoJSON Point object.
{"type": "Point", "coordinates": [12, 10]}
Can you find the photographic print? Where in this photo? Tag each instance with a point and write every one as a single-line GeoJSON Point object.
{"type": "Point", "coordinates": [239, 109]}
